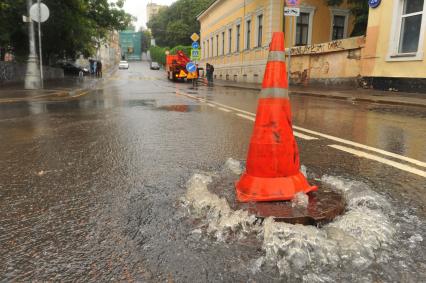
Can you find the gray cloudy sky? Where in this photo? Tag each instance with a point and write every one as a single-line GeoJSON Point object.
{"type": "Point", "coordinates": [138, 9]}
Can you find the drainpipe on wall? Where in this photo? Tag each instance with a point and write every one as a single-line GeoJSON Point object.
{"type": "Point", "coordinates": [283, 19]}
{"type": "Point", "coordinates": [244, 31]}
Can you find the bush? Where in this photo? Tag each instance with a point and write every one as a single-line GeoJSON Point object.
{"type": "Point", "coordinates": [185, 49]}
{"type": "Point", "coordinates": [158, 54]}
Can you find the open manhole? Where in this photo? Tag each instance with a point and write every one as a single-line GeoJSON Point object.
{"type": "Point", "coordinates": [323, 206]}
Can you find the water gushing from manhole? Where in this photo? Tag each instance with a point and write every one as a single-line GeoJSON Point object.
{"type": "Point", "coordinates": [352, 242]}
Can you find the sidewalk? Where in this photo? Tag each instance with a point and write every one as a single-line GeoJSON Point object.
{"type": "Point", "coordinates": [352, 94]}
{"type": "Point", "coordinates": [54, 90]}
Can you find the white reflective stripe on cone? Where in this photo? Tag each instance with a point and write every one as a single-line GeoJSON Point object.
{"type": "Point", "coordinates": [276, 56]}
{"type": "Point", "coordinates": [274, 92]}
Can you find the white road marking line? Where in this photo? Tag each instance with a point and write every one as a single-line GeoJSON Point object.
{"type": "Point", "coordinates": [224, 109]}
{"type": "Point", "coordinates": [232, 108]}
{"type": "Point", "coordinates": [303, 136]}
{"type": "Point", "coordinates": [211, 105]}
{"type": "Point", "coordinates": [394, 155]}
{"type": "Point", "coordinates": [246, 117]}
{"type": "Point", "coordinates": [188, 95]}
{"type": "Point", "coordinates": [297, 134]}
{"type": "Point", "coordinates": [355, 144]}
{"type": "Point", "coordinates": [380, 159]}
{"type": "Point", "coordinates": [384, 152]}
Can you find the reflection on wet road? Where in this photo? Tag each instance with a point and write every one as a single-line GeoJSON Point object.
{"type": "Point", "coordinates": [91, 189]}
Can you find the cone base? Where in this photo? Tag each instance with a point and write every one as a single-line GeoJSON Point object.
{"type": "Point", "coordinates": [251, 188]}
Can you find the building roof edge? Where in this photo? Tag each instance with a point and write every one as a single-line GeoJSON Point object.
{"type": "Point", "coordinates": [212, 5]}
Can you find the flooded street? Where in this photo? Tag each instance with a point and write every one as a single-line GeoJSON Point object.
{"type": "Point", "coordinates": [102, 188]}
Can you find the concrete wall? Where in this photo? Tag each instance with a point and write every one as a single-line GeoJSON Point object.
{"type": "Point", "coordinates": [333, 63]}
{"type": "Point", "coordinates": [13, 72]}
{"type": "Point", "coordinates": [110, 52]}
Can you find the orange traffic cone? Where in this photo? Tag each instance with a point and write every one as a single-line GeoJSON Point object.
{"type": "Point", "coordinates": [272, 171]}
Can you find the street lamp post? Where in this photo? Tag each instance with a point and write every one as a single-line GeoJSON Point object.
{"type": "Point", "coordinates": [39, 43]}
{"type": "Point", "coordinates": [32, 76]}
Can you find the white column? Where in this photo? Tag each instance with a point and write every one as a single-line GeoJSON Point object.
{"type": "Point", "coordinates": [32, 76]}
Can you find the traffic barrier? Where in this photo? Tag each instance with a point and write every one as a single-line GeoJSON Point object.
{"type": "Point", "coordinates": [273, 166]}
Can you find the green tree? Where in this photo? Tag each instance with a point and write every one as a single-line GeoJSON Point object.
{"type": "Point", "coordinates": [174, 25]}
{"type": "Point", "coordinates": [146, 40]}
{"type": "Point", "coordinates": [74, 26]}
{"type": "Point", "coordinates": [360, 11]}
{"type": "Point", "coordinates": [13, 32]}
{"type": "Point", "coordinates": [158, 54]}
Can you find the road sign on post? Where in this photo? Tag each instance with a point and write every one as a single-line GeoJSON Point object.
{"type": "Point", "coordinates": [191, 67]}
{"type": "Point", "coordinates": [40, 13]}
{"type": "Point", "coordinates": [195, 45]}
{"type": "Point", "coordinates": [291, 12]}
{"type": "Point", "coordinates": [195, 37]}
{"type": "Point", "coordinates": [195, 54]}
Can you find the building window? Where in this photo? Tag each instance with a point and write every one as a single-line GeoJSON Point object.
{"type": "Point", "coordinates": [208, 49]}
{"type": "Point", "coordinates": [408, 30]}
{"type": "Point", "coordinates": [229, 40]}
{"type": "Point", "coordinates": [237, 43]}
{"type": "Point", "coordinates": [248, 34]}
{"type": "Point", "coordinates": [223, 43]}
{"type": "Point", "coordinates": [302, 29]}
{"type": "Point", "coordinates": [338, 27]}
{"type": "Point", "coordinates": [411, 22]}
{"type": "Point", "coordinates": [259, 30]}
{"type": "Point", "coordinates": [217, 45]}
{"type": "Point", "coordinates": [211, 47]}
{"type": "Point", "coordinates": [339, 23]}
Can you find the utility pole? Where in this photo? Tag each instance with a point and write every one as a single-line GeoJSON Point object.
{"type": "Point", "coordinates": [32, 76]}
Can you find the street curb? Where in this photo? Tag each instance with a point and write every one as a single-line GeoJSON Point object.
{"type": "Point", "coordinates": [59, 96]}
{"type": "Point", "coordinates": [239, 87]}
{"type": "Point", "coordinates": [358, 99]}
{"type": "Point", "coordinates": [349, 98]}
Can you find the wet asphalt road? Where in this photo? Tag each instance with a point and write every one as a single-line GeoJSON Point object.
{"type": "Point", "coordinates": [90, 188]}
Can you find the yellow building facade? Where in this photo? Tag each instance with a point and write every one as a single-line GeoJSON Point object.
{"type": "Point", "coordinates": [235, 34]}
{"type": "Point", "coordinates": [393, 56]}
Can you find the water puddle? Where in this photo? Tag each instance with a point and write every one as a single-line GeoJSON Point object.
{"type": "Point", "coordinates": [139, 103]}
{"type": "Point", "coordinates": [154, 104]}
{"type": "Point", "coordinates": [362, 245]}
{"type": "Point", "coordinates": [180, 108]}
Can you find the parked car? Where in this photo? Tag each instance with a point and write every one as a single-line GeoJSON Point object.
{"type": "Point", "coordinates": [155, 66]}
{"type": "Point", "coordinates": [123, 65]}
{"type": "Point", "coordinates": [71, 69]}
